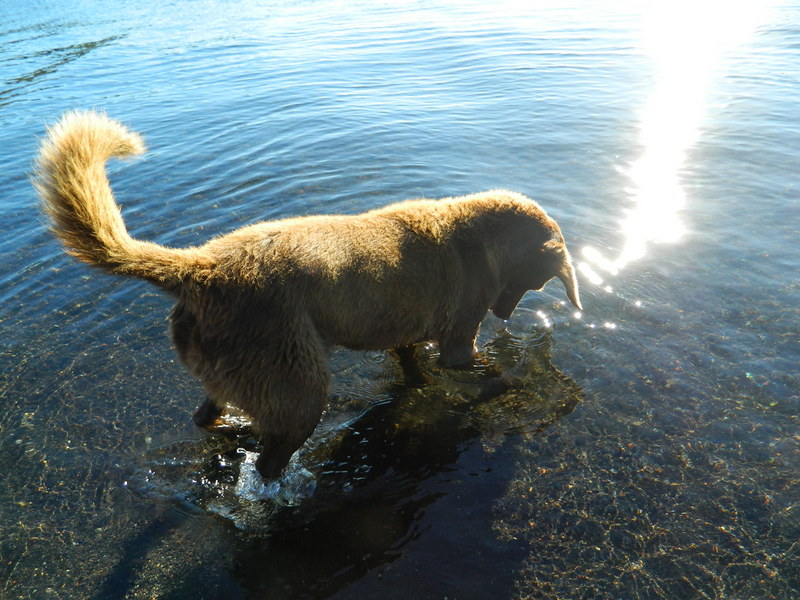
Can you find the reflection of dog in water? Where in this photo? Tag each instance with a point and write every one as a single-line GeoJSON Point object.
{"type": "Point", "coordinates": [257, 308]}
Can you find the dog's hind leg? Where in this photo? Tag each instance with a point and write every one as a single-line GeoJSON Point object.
{"type": "Point", "coordinates": [183, 328]}
{"type": "Point", "coordinates": [282, 432]}
{"type": "Point", "coordinates": [293, 393]}
{"type": "Point", "coordinates": [207, 414]}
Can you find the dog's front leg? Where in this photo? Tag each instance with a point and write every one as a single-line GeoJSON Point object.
{"type": "Point", "coordinates": [411, 369]}
{"type": "Point", "coordinates": [457, 350]}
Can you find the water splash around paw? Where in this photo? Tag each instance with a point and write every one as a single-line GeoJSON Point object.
{"type": "Point", "coordinates": [295, 484]}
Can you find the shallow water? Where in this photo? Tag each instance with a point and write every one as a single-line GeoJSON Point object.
{"type": "Point", "coordinates": [648, 448]}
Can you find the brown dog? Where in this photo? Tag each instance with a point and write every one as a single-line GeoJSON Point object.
{"type": "Point", "coordinates": [257, 308]}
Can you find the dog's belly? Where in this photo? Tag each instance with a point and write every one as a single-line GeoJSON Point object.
{"type": "Point", "coordinates": [380, 339]}
{"type": "Point", "coordinates": [374, 323]}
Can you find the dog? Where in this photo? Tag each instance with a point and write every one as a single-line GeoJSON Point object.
{"type": "Point", "coordinates": [256, 309]}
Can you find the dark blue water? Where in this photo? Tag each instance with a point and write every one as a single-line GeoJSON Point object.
{"type": "Point", "coordinates": [650, 447]}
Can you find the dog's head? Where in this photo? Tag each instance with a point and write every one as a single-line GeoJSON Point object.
{"type": "Point", "coordinates": [532, 272]}
{"type": "Point", "coordinates": [555, 252]}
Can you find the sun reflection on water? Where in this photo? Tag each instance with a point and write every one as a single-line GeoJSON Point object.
{"type": "Point", "coordinates": [686, 41]}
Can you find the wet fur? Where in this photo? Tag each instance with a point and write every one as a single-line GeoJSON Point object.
{"type": "Point", "coordinates": [257, 308]}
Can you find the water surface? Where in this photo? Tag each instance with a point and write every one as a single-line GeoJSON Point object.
{"type": "Point", "coordinates": [649, 446]}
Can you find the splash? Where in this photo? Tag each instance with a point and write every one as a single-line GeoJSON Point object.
{"type": "Point", "coordinates": [295, 484]}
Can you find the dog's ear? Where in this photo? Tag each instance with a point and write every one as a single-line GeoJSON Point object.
{"type": "Point", "coordinates": [559, 255]}
{"type": "Point", "coordinates": [507, 301]}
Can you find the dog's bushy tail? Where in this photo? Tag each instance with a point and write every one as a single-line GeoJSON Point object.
{"type": "Point", "coordinates": [71, 180]}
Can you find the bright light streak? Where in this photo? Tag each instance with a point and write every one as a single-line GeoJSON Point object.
{"type": "Point", "coordinates": [686, 41]}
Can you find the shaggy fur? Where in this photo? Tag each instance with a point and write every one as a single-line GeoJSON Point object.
{"type": "Point", "coordinates": [257, 308]}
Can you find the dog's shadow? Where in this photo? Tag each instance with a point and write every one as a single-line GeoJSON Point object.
{"type": "Point", "coordinates": [433, 413]}
{"type": "Point", "coordinates": [402, 456]}
{"type": "Point", "coordinates": [382, 456]}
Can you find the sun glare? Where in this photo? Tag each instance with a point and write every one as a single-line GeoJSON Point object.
{"type": "Point", "coordinates": [686, 42]}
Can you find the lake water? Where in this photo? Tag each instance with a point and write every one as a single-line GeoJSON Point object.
{"type": "Point", "coordinates": [650, 448]}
